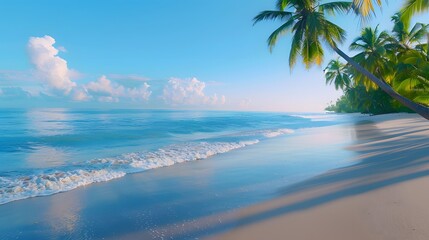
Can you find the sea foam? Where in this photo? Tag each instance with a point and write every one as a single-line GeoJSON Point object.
{"type": "Point", "coordinates": [267, 133]}
{"type": "Point", "coordinates": [105, 169]}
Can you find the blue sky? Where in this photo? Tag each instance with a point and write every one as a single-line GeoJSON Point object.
{"type": "Point", "coordinates": [188, 54]}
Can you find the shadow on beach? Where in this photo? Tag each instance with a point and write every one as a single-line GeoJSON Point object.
{"type": "Point", "coordinates": [385, 157]}
{"type": "Point", "coordinates": [190, 201]}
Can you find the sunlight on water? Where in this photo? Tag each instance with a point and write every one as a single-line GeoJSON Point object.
{"type": "Point", "coordinates": [55, 150]}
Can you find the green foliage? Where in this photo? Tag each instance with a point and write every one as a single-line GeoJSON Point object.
{"type": "Point", "coordinates": [372, 101]}
{"type": "Point", "coordinates": [412, 7]}
{"type": "Point", "coordinates": [305, 19]}
{"type": "Point", "coordinates": [399, 59]}
{"type": "Point", "coordinates": [396, 62]}
{"type": "Point", "coordinates": [338, 74]}
{"type": "Point", "coordinates": [372, 56]}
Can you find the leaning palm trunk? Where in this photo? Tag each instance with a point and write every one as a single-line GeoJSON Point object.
{"type": "Point", "coordinates": [418, 108]}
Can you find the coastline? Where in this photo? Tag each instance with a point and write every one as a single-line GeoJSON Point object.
{"type": "Point", "coordinates": [231, 195]}
{"type": "Point", "coordinates": [383, 196]}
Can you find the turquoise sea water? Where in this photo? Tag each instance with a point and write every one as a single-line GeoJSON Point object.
{"type": "Point", "coordinates": [46, 151]}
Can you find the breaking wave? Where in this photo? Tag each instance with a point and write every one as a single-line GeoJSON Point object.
{"type": "Point", "coordinates": [105, 169]}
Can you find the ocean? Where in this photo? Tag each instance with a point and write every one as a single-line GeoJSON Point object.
{"type": "Point", "coordinates": [48, 151]}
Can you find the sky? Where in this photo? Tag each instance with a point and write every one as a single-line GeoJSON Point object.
{"type": "Point", "coordinates": [187, 54]}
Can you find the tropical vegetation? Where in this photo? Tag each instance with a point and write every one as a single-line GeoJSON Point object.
{"type": "Point", "coordinates": [388, 73]}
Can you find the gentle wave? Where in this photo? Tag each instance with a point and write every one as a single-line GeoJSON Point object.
{"type": "Point", "coordinates": [278, 132]}
{"type": "Point", "coordinates": [48, 184]}
{"type": "Point", "coordinates": [101, 170]}
{"type": "Point", "coordinates": [267, 133]}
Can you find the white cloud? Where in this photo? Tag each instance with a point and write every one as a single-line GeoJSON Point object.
{"type": "Point", "coordinates": [108, 99]}
{"type": "Point", "coordinates": [80, 94]}
{"type": "Point", "coordinates": [131, 77]}
{"type": "Point", "coordinates": [105, 86]}
{"type": "Point", "coordinates": [108, 91]}
{"type": "Point", "coordinates": [50, 68]}
{"type": "Point", "coordinates": [61, 49]}
{"type": "Point", "coordinates": [188, 92]}
{"type": "Point", "coordinates": [141, 93]}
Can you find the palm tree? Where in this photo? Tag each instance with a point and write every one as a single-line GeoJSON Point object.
{"type": "Point", "coordinates": [310, 27]}
{"type": "Point", "coordinates": [405, 39]}
{"type": "Point", "coordinates": [412, 79]}
{"type": "Point", "coordinates": [410, 52]}
{"type": "Point", "coordinates": [306, 20]}
{"type": "Point", "coordinates": [372, 56]}
{"type": "Point", "coordinates": [337, 73]}
{"type": "Point", "coordinates": [411, 8]}
{"type": "Point", "coordinates": [365, 7]}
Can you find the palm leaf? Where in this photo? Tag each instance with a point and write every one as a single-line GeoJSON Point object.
{"type": "Point", "coordinates": [282, 4]}
{"type": "Point", "coordinates": [423, 99]}
{"type": "Point", "coordinates": [412, 7]}
{"type": "Point", "coordinates": [332, 7]}
{"type": "Point", "coordinates": [365, 7]}
{"type": "Point", "coordinates": [272, 39]}
{"type": "Point", "coordinates": [296, 42]}
{"type": "Point", "coordinates": [272, 15]}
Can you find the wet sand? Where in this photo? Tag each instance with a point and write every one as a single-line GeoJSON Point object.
{"type": "Point", "coordinates": [385, 195]}
{"type": "Point", "coordinates": [282, 188]}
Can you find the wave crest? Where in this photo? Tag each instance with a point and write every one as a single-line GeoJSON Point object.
{"type": "Point", "coordinates": [105, 169]}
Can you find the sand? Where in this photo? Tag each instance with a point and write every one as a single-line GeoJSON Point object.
{"type": "Point", "coordinates": [385, 195]}
{"type": "Point", "coordinates": [379, 189]}
{"type": "Point", "coordinates": [183, 201]}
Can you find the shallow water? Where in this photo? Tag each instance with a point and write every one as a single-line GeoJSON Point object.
{"type": "Point", "coordinates": [46, 151]}
{"type": "Point", "coordinates": [184, 201]}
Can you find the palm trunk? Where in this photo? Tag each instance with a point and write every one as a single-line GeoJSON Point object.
{"type": "Point", "coordinates": [427, 48]}
{"type": "Point", "coordinates": [418, 108]}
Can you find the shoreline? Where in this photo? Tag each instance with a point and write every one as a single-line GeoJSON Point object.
{"type": "Point", "coordinates": [383, 196]}
{"type": "Point", "coordinates": [224, 197]}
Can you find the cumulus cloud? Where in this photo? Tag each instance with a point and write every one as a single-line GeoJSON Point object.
{"type": "Point", "coordinates": [57, 79]}
{"type": "Point", "coordinates": [188, 92]}
{"type": "Point", "coordinates": [80, 94]}
{"type": "Point", "coordinates": [50, 68]}
{"type": "Point", "coordinates": [108, 91]}
{"type": "Point", "coordinates": [131, 77]}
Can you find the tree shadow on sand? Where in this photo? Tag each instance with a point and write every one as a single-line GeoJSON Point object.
{"type": "Point", "coordinates": [385, 157]}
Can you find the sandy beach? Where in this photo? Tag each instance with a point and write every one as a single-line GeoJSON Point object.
{"type": "Point", "coordinates": [279, 120]}
{"type": "Point", "coordinates": [383, 196]}
{"type": "Point", "coordinates": [365, 180]}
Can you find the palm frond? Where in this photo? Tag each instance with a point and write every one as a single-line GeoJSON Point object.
{"type": "Point", "coordinates": [412, 7]}
{"type": "Point", "coordinates": [332, 33]}
{"type": "Point", "coordinates": [272, 15]}
{"type": "Point", "coordinates": [283, 4]}
{"type": "Point", "coordinates": [297, 39]}
{"type": "Point", "coordinates": [272, 39]}
{"type": "Point", "coordinates": [333, 7]}
{"type": "Point", "coordinates": [418, 32]}
{"type": "Point", "coordinates": [365, 8]}
{"type": "Point", "coordinates": [423, 99]}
